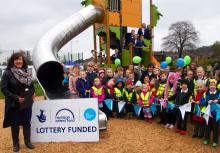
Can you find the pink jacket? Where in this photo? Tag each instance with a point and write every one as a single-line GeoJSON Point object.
{"type": "Point", "coordinates": [72, 83]}
{"type": "Point", "coordinates": [100, 97]}
{"type": "Point", "coordinates": [140, 100]}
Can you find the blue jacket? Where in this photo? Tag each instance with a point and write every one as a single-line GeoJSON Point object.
{"type": "Point", "coordinates": [81, 87]}
{"type": "Point", "coordinates": [206, 97]}
{"type": "Point", "coordinates": [90, 78]}
{"type": "Point", "coordinates": [138, 46]}
{"type": "Point", "coordinates": [146, 33]}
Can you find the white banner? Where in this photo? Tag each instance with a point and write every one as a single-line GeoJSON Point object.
{"type": "Point", "coordinates": [65, 120]}
{"type": "Point", "coordinates": [121, 105]}
{"type": "Point", "coordinates": [185, 108]}
{"type": "Point", "coordinates": [207, 114]}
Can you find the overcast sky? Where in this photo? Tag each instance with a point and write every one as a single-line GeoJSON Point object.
{"type": "Point", "coordinates": [24, 22]}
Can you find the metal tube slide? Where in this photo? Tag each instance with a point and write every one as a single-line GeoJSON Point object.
{"type": "Point", "coordinates": [49, 70]}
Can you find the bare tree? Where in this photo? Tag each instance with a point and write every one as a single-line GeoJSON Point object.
{"type": "Point", "coordinates": [182, 35]}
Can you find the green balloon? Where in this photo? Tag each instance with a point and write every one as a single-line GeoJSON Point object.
{"type": "Point", "coordinates": [187, 59]}
{"type": "Point", "coordinates": [168, 60]}
{"type": "Point", "coordinates": [117, 61]}
{"type": "Point", "coordinates": [185, 63]}
{"type": "Point", "coordinates": [136, 60]}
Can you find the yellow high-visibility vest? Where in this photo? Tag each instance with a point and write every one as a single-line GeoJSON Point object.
{"type": "Point", "coordinates": [108, 91]}
{"type": "Point", "coordinates": [145, 98]}
{"type": "Point", "coordinates": [118, 92]}
{"type": "Point", "coordinates": [218, 86]}
{"type": "Point", "coordinates": [160, 90]}
{"type": "Point", "coordinates": [129, 95]}
{"type": "Point", "coordinates": [137, 95]}
{"type": "Point", "coordinates": [203, 108]}
{"type": "Point", "coordinates": [97, 92]}
{"type": "Point", "coordinates": [170, 94]}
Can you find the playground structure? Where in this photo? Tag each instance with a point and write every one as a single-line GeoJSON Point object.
{"type": "Point", "coordinates": [118, 17]}
{"type": "Point", "coordinates": [49, 69]}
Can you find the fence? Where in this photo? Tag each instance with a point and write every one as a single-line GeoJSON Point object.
{"type": "Point", "coordinates": [114, 5]}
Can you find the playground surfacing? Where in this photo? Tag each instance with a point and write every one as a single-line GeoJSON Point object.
{"type": "Point", "coordinates": [122, 136]}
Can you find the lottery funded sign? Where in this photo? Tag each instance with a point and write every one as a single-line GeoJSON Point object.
{"type": "Point", "coordinates": [65, 120]}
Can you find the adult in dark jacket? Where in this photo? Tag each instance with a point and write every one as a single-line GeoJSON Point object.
{"type": "Point", "coordinates": [148, 72]}
{"type": "Point", "coordinates": [139, 46]}
{"type": "Point", "coordinates": [131, 38]}
{"type": "Point", "coordinates": [18, 89]}
{"type": "Point", "coordinates": [116, 55]}
{"type": "Point", "coordinates": [145, 31]}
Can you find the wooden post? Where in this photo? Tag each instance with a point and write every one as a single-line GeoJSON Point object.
{"type": "Point", "coordinates": [151, 26]}
{"type": "Point", "coordinates": [130, 52]}
{"type": "Point", "coordinates": [100, 53]}
{"type": "Point", "coordinates": [108, 39]}
{"type": "Point", "coordinates": [95, 46]}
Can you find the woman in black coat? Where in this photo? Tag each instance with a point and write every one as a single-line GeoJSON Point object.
{"type": "Point", "coordinates": [18, 89]}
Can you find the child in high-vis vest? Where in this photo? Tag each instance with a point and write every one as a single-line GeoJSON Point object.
{"type": "Point", "coordinates": [109, 89]}
{"type": "Point", "coordinates": [153, 86]}
{"type": "Point", "coordinates": [181, 97]}
{"type": "Point", "coordinates": [159, 97]}
{"type": "Point", "coordinates": [199, 122]}
{"type": "Point", "coordinates": [210, 97]}
{"type": "Point", "coordinates": [109, 93]}
{"type": "Point", "coordinates": [138, 87]}
{"type": "Point", "coordinates": [145, 100]}
{"type": "Point", "coordinates": [119, 92]}
{"type": "Point", "coordinates": [97, 91]}
{"type": "Point", "coordinates": [131, 98]}
{"type": "Point", "coordinates": [169, 98]}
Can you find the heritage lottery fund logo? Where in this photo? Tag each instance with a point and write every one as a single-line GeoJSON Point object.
{"type": "Point", "coordinates": [64, 115]}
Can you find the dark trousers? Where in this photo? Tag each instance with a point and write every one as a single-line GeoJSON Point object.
{"type": "Point", "coordinates": [15, 134]}
{"type": "Point", "coordinates": [181, 123]}
{"type": "Point", "coordinates": [129, 109]}
{"type": "Point", "coordinates": [170, 117]}
{"type": "Point", "coordinates": [212, 125]}
{"type": "Point", "coordinates": [138, 52]}
{"type": "Point", "coordinates": [115, 109]}
{"type": "Point", "coordinates": [199, 129]}
{"type": "Point", "coordinates": [192, 112]}
{"type": "Point", "coordinates": [161, 114]}
{"type": "Point", "coordinates": [105, 110]}
{"type": "Point", "coordinates": [141, 116]}
{"type": "Point", "coordinates": [115, 106]}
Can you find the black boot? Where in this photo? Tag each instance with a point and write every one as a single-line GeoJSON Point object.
{"type": "Point", "coordinates": [27, 135]}
{"type": "Point", "coordinates": [16, 147]}
{"type": "Point", "coordinates": [15, 139]}
{"type": "Point", "coordinates": [29, 145]}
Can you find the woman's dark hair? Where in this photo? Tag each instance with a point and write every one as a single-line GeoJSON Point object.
{"type": "Point", "coordinates": [15, 56]}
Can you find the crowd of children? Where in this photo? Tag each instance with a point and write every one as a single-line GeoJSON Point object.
{"type": "Point", "coordinates": [145, 94]}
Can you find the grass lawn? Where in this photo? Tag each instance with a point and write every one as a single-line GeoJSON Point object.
{"type": "Point", "coordinates": [38, 90]}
